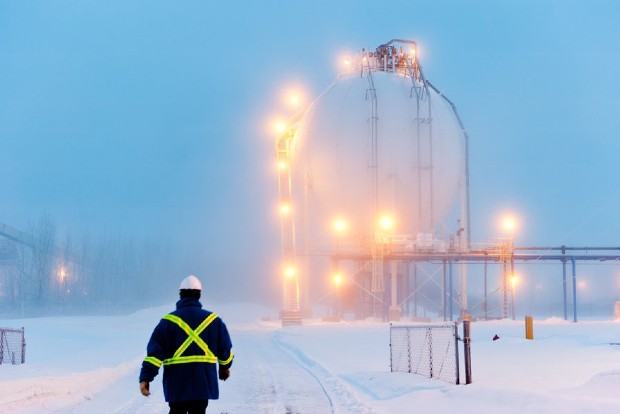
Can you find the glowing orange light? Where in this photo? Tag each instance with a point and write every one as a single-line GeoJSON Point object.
{"type": "Point", "coordinates": [61, 274]}
{"type": "Point", "coordinates": [285, 209]}
{"type": "Point", "coordinates": [282, 165]}
{"type": "Point", "coordinates": [509, 224]}
{"type": "Point", "coordinates": [290, 272]}
{"type": "Point", "coordinates": [292, 96]}
{"type": "Point", "coordinates": [514, 280]}
{"type": "Point", "coordinates": [279, 127]}
{"type": "Point", "coordinates": [338, 279]}
{"type": "Point", "coordinates": [340, 225]}
{"type": "Point", "coordinates": [386, 223]}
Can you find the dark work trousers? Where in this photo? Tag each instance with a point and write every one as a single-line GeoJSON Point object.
{"type": "Point", "coordinates": [188, 407]}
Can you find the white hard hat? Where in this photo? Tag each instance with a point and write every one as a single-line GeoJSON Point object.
{"type": "Point", "coordinates": [191, 282]}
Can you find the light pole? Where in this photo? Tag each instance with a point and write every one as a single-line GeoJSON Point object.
{"type": "Point", "coordinates": [337, 281]}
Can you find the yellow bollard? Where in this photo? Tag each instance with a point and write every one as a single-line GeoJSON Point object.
{"type": "Point", "coordinates": [529, 327]}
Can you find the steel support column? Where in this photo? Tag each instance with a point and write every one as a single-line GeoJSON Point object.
{"type": "Point", "coordinates": [574, 289]}
{"type": "Point", "coordinates": [564, 296]}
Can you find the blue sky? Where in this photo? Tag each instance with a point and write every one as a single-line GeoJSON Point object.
{"type": "Point", "coordinates": [148, 117]}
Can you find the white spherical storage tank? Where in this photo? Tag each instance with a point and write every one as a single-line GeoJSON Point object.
{"type": "Point", "coordinates": [420, 158]}
{"type": "Point", "coordinates": [373, 171]}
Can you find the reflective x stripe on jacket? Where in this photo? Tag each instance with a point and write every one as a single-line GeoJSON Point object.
{"type": "Point", "coordinates": [193, 336]}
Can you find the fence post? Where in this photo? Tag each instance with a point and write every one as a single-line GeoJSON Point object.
{"type": "Point", "coordinates": [391, 352]}
{"type": "Point", "coordinates": [1, 346]}
{"type": "Point", "coordinates": [23, 345]}
{"type": "Point", "coordinates": [429, 333]}
{"type": "Point", "coordinates": [467, 350]}
{"type": "Point", "coordinates": [409, 368]}
{"type": "Point", "coordinates": [456, 353]}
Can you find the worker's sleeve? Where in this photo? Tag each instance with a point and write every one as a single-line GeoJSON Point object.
{"type": "Point", "coordinates": [155, 354]}
{"type": "Point", "coordinates": [224, 349]}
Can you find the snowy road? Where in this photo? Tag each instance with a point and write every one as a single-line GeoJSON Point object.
{"type": "Point", "coordinates": [72, 371]}
{"type": "Point", "coordinates": [269, 376]}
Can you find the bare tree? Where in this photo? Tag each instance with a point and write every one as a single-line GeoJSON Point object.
{"type": "Point", "coordinates": [44, 251]}
{"type": "Point", "coordinates": [24, 275]}
{"type": "Point", "coordinates": [83, 271]}
{"type": "Point", "coordinates": [109, 271]}
{"type": "Point", "coordinates": [8, 272]}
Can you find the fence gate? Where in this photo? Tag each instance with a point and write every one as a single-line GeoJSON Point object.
{"type": "Point", "coordinates": [12, 346]}
{"type": "Point", "coordinates": [430, 350]}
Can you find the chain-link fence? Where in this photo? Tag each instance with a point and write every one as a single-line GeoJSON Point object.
{"type": "Point", "coordinates": [12, 346]}
{"type": "Point", "coordinates": [429, 350]}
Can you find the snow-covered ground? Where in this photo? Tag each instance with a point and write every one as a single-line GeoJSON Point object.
{"type": "Point", "coordinates": [90, 365]}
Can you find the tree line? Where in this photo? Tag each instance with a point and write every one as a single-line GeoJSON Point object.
{"type": "Point", "coordinates": [65, 272]}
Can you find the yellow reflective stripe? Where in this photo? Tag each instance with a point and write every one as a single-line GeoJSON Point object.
{"type": "Point", "coordinates": [190, 359]}
{"type": "Point", "coordinates": [225, 362]}
{"type": "Point", "coordinates": [192, 336]}
{"type": "Point", "coordinates": [205, 323]}
{"type": "Point", "coordinates": [153, 361]}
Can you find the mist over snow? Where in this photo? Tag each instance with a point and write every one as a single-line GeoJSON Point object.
{"type": "Point", "coordinates": [136, 140]}
{"type": "Point", "coordinates": [153, 120]}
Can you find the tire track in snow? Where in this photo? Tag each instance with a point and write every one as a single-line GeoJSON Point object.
{"type": "Point", "coordinates": [265, 379]}
{"type": "Point", "coordinates": [336, 390]}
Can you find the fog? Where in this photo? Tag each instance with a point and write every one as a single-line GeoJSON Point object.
{"type": "Point", "coordinates": [150, 121]}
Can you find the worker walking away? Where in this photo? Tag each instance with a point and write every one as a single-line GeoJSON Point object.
{"type": "Point", "coordinates": [190, 343]}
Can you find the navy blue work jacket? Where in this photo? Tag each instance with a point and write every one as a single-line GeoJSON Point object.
{"type": "Point", "coordinates": [190, 380]}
